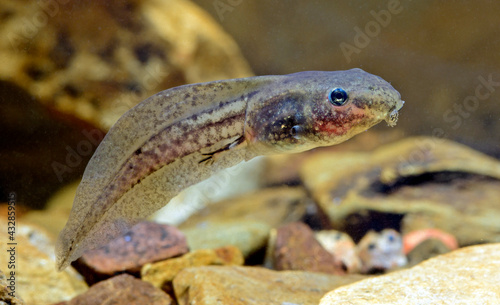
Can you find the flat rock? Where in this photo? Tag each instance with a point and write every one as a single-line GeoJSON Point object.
{"type": "Point", "coordinates": [37, 281]}
{"type": "Point", "coordinates": [147, 242]}
{"type": "Point", "coordinates": [465, 276]}
{"type": "Point", "coordinates": [296, 248]}
{"type": "Point", "coordinates": [253, 286]}
{"type": "Point", "coordinates": [122, 289]}
{"type": "Point", "coordinates": [248, 235]}
{"type": "Point", "coordinates": [416, 183]}
{"type": "Point", "coordinates": [161, 274]}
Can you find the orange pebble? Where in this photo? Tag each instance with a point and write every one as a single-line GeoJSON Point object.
{"type": "Point", "coordinates": [414, 238]}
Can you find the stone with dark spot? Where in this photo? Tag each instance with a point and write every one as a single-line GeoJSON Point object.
{"type": "Point", "coordinates": [296, 248]}
{"type": "Point", "coordinates": [147, 242]}
{"type": "Point", "coordinates": [121, 289]}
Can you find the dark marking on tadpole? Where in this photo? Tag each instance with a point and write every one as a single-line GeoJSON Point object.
{"type": "Point", "coordinates": [138, 152]}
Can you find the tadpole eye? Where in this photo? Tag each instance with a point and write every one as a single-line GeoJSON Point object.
{"type": "Point", "coordinates": [296, 131]}
{"type": "Point", "coordinates": [338, 97]}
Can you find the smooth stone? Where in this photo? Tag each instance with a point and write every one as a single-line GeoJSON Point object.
{"type": "Point", "coordinates": [213, 285]}
{"type": "Point", "coordinates": [249, 236]}
{"type": "Point", "coordinates": [296, 248]}
{"type": "Point", "coordinates": [416, 183]}
{"type": "Point", "coordinates": [122, 289]}
{"type": "Point", "coordinates": [468, 275]}
{"type": "Point", "coordinates": [161, 274]}
{"type": "Point", "coordinates": [37, 278]}
{"type": "Point", "coordinates": [147, 242]}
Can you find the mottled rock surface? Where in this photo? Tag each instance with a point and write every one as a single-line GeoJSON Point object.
{"type": "Point", "coordinates": [415, 183]}
{"type": "Point", "coordinates": [162, 273]}
{"type": "Point", "coordinates": [122, 289]}
{"type": "Point", "coordinates": [380, 251]}
{"type": "Point", "coordinates": [37, 281]}
{"type": "Point", "coordinates": [465, 276]}
{"type": "Point", "coordinates": [147, 242]}
{"type": "Point", "coordinates": [7, 296]}
{"type": "Point", "coordinates": [296, 248]}
{"type": "Point", "coordinates": [253, 286]}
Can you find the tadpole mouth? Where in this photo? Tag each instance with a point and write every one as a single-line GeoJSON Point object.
{"type": "Point", "coordinates": [392, 117]}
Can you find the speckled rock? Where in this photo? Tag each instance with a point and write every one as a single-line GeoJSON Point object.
{"type": "Point", "coordinates": [147, 242]}
{"type": "Point", "coordinates": [253, 286]}
{"type": "Point", "coordinates": [248, 235]}
{"type": "Point", "coordinates": [415, 183]}
{"type": "Point", "coordinates": [296, 248]}
{"type": "Point", "coordinates": [381, 251]}
{"type": "Point", "coordinates": [162, 273]}
{"type": "Point", "coordinates": [465, 276]}
{"type": "Point", "coordinates": [37, 281]}
{"type": "Point", "coordinates": [123, 289]}
{"type": "Point", "coordinates": [7, 296]}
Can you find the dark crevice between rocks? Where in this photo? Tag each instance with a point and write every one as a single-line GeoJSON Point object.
{"type": "Point", "coordinates": [441, 177]}
{"type": "Point", "coordinates": [359, 223]}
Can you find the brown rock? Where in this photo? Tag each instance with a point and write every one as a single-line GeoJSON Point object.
{"type": "Point", "coordinates": [416, 183]}
{"type": "Point", "coordinates": [465, 276]}
{"type": "Point", "coordinates": [234, 285]}
{"type": "Point", "coordinates": [296, 248]}
{"type": "Point", "coordinates": [147, 242]}
{"type": "Point", "coordinates": [122, 289]}
{"type": "Point", "coordinates": [162, 273]}
{"type": "Point", "coordinates": [7, 295]}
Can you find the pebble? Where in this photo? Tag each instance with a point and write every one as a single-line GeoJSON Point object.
{"type": "Point", "coordinates": [122, 289]}
{"type": "Point", "coordinates": [296, 248]}
{"type": "Point", "coordinates": [342, 247]}
{"type": "Point", "coordinates": [381, 251]}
